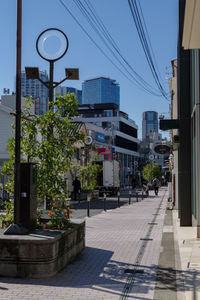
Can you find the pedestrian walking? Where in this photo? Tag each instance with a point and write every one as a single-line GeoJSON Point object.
{"type": "Point", "coordinates": [77, 187]}
{"type": "Point", "coordinates": [156, 184]}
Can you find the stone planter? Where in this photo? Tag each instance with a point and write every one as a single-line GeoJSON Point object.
{"type": "Point", "coordinates": [41, 253]}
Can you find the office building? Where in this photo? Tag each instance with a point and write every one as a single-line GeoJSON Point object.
{"type": "Point", "coordinates": [101, 90]}
{"type": "Point", "coordinates": [149, 124]}
{"type": "Point", "coordinates": [37, 90]}
{"type": "Point", "coordinates": [62, 90]}
{"type": "Point", "coordinates": [119, 137]}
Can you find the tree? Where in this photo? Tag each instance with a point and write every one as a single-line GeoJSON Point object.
{"type": "Point", "coordinates": [151, 171]}
{"type": "Point", "coordinates": [49, 141]}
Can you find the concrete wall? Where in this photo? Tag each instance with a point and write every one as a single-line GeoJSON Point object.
{"type": "Point", "coordinates": [42, 253]}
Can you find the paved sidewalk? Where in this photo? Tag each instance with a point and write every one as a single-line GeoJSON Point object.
{"type": "Point", "coordinates": [187, 260]}
{"type": "Point", "coordinates": [119, 262]}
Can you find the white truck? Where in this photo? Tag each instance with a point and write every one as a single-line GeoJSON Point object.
{"type": "Point", "coordinates": [109, 182]}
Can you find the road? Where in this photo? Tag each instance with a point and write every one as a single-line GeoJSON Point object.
{"type": "Point", "coordinates": [80, 210]}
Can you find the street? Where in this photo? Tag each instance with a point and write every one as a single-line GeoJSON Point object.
{"type": "Point", "coordinates": [80, 210]}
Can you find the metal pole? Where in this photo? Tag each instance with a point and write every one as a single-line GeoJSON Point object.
{"type": "Point", "coordinates": [118, 198]}
{"type": "Point", "coordinates": [51, 67]}
{"type": "Point", "coordinates": [17, 182]}
{"type": "Point", "coordinates": [129, 197]}
{"type": "Point", "coordinates": [136, 196]}
{"type": "Point", "coordinates": [104, 198]}
{"type": "Point", "coordinates": [142, 195]}
{"type": "Point", "coordinates": [88, 205]}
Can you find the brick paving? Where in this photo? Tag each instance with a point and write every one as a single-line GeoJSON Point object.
{"type": "Point", "coordinates": [118, 240]}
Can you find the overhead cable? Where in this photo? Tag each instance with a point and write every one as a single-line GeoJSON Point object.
{"type": "Point", "coordinates": [109, 38]}
{"type": "Point", "coordinates": [144, 42]}
{"type": "Point", "coordinates": [93, 19]}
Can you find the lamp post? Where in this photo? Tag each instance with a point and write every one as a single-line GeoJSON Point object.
{"type": "Point", "coordinates": [18, 114]}
{"type": "Point", "coordinates": [33, 73]}
{"type": "Point", "coordinates": [15, 228]}
{"type": "Point", "coordinates": [41, 46]}
{"type": "Point", "coordinates": [151, 159]}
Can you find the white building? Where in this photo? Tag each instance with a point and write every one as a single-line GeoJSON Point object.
{"type": "Point", "coordinates": [7, 107]}
{"type": "Point", "coordinates": [6, 120]}
{"type": "Point", "coordinates": [120, 135]}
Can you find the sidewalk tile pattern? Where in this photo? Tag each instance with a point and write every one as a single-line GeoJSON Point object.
{"type": "Point", "coordinates": [116, 241]}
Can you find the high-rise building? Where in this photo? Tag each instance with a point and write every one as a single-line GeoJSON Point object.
{"type": "Point", "coordinates": [149, 124]}
{"type": "Point", "coordinates": [38, 91]}
{"type": "Point", "coordinates": [101, 90]}
{"type": "Point", "coordinates": [65, 90]}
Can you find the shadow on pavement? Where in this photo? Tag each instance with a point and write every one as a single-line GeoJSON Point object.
{"type": "Point", "coordinates": [94, 269]}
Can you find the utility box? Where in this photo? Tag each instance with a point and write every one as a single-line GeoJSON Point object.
{"type": "Point", "coordinates": [28, 195]}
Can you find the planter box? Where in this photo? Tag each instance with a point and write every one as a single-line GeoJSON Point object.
{"type": "Point", "coordinates": [41, 253]}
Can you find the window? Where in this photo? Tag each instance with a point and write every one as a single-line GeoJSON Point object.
{"type": "Point", "coordinates": [150, 116]}
{"type": "Point", "coordinates": [108, 113]}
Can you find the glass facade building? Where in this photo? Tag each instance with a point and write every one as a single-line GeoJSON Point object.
{"type": "Point", "coordinates": [101, 90]}
{"type": "Point", "coordinates": [35, 89]}
{"type": "Point", "coordinates": [149, 123]}
{"type": "Point", "coordinates": [65, 90]}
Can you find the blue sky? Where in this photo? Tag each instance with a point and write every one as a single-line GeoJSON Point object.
{"type": "Point", "coordinates": [161, 19]}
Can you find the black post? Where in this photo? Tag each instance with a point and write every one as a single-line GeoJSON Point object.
{"type": "Point", "coordinates": [129, 197]}
{"type": "Point", "coordinates": [51, 67]}
{"type": "Point", "coordinates": [18, 116]}
{"type": "Point", "coordinates": [88, 205]}
{"type": "Point", "coordinates": [184, 113]}
{"type": "Point", "coordinates": [104, 198]}
{"type": "Point", "coordinates": [142, 195]}
{"type": "Point", "coordinates": [118, 198]}
{"type": "Point", "coordinates": [136, 196]}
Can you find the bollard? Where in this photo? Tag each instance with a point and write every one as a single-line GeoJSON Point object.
{"type": "Point", "coordinates": [88, 205]}
{"type": "Point", "coordinates": [129, 197]}
{"type": "Point", "coordinates": [142, 195]}
{"type": "Point", "coordinates": [79, 197]}
{"type": "Point", "coordinates": [104, 198]}
{"type": "Point", "coordinates": [136, 196]}
{"type": "Point", "coordinates": [118, 200]}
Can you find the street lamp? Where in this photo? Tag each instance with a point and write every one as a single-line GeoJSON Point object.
{"type": "Point", "coordinates": [58, 39]}
{"type": "Point", "coordinates": [33, 73]}
{"type": "Point", "coordinates": [151, 159]}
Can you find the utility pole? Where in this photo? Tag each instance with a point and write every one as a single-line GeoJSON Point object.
{"type": "Point", "coordinates": [18, 115]}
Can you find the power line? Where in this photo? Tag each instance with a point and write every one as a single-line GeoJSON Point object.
{"type": "Point", "coordinates": [112, 42]}
{"type": "Point", "coordinates": [141, 32]}
{"type": "Point", "coordinates": [90, 19]}
{"type": "Point", "coordinates": [136, 82]}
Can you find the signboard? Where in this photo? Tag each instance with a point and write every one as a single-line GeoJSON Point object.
{"type": "Point", "coordinates": [169, 124]}
{"type": "Point", "coordinates": [162, 149]}
{"type": "Point", "coordinates": [100, 137]}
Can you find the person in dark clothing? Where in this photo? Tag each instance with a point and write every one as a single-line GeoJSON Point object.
{"type": "Point", "coordinates": [77, 187]}
{"type": "Point", "coordinates": [156, 184]}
